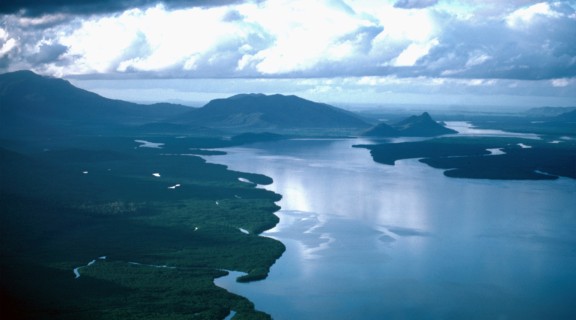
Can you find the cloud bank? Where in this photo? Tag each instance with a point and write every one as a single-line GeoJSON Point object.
{"type": "Point", "coordinates": [522, 39]}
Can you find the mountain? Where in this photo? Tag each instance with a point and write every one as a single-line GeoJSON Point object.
{"type": "Point", "coordinates": [44, 105]}
{"type": "Point", "coordinates": [414, 126]}
{"type": "Point", "coordinates": [548, 111]}
{"type": "Point", "coordinates": [272, 112]}
{"type": "Point", "coordinates": [381, 130]}
{"type": "Point", "coordinates": [34, 105]}
{"type": "Point", "coordinates": [421, 126]}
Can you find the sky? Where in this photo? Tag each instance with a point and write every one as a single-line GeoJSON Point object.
{"type": "Point", "coordinates": [513, 53]}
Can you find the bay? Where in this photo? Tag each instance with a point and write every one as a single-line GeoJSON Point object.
{"type": "Point", "coordinates": [371, 241]}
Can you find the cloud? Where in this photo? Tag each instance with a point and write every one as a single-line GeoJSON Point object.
{"type": "Point", "coordinates": [538, 46]}
{"type": "Point", "coordinates": [563, 82]}
{"type": "Point", "coordinates": [525, 16]}
{"type": "Point", "coordinates": [7, 43]}
{"type": "Point", "coordinates": [414, 4]}
{"type": "Point", "coordinates": [48, 53]}
{"type": "Point", "coordinates": [294, 38]}
{"type": "Point", "coordinates": [413, 53]}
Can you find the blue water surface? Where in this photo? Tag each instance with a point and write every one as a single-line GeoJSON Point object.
{"type": "Point", "coordinates": [372, 241]}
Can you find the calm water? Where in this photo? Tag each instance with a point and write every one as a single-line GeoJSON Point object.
{"type": "Point", "coordinates": [371, 241]}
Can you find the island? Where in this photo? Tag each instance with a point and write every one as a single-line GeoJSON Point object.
{"type": "Point", "coordinates": [413, 126]}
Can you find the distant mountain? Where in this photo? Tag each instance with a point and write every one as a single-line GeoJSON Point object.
{"type": "Point", "coordinates": [32, 103]}
{"type": "Point", "coordinates": [548, 111]}
{"type": "Point", "coordinates": [414, 126]}
{"type": "Point", "coordinates": [272, 112]}
{"type": "Point", "coordinates": [569, 116]}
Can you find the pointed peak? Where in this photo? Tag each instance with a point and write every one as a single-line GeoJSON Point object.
{"type": "Point", "coordinates": [422, 125]}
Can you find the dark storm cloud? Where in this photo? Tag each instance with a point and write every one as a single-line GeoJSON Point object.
{"type": "Point", "coordinates": [414, 4]}
{"type": "Point", "coordinates": [34, 8]}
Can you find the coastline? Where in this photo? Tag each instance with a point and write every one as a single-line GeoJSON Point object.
{"type": "Point", "coordinates": [133, 216]}
{"type": "Point", "coordinates": [474, 158]}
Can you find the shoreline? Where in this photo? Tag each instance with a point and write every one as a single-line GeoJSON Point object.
{"type": "Point", "coordinates": [475, 157]}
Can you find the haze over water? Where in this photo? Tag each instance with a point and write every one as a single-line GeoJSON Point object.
{"type": "Point", "coordinates": [371, 241]}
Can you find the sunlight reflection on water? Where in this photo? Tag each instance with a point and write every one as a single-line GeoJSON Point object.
{"type": "Point", "coordinates": [366, 240]}
{"type": "Point", "coordinates": [467, 129]}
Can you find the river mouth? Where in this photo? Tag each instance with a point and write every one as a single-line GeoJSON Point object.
{"type": "Point", "coordinates": [366, 240]}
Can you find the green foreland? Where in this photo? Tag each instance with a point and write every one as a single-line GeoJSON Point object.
{"type": "Point", "coordinates": [134, 233]}
{"type": "Point", "coordinates": [470, 157]}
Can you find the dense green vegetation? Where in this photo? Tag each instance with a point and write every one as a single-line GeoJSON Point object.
{"type": "Point", "coordinates": [388, 153]}
{"type": "Point", "coordinates": [66, 206]}
{"type": "Point", "coordinates": [468, 157]}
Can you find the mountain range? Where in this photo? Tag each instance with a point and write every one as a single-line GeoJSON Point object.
{"type": "Point", "coordinates": [35, 105]}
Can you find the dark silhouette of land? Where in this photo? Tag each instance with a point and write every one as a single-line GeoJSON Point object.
{"type": "Point", "coordinates": [413, 126]}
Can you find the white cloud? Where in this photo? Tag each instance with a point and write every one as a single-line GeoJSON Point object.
{"type": "Point", "coordinates": [477, 58]}
{"type": "Point", "coordinates": [524, 16]}
{"type": "Point", "coordinates": [406, 25]}
{"type": "Point", "coordinates": [45, 20]}
{"type": "Point", "coordinates": [413, 53]}
{"type": "Point", "coordinates": [7, 46]}
{"type": "Point", "coordinates": [475, 39]}
{"type": "Point", "coordinates": [147, 40]}
{"type": "Point", "coordinates": [563, 82]}
{"type": "Point", "coordinates": [7, 43]}
{"type": "Point", "coordinates": [305, 34]}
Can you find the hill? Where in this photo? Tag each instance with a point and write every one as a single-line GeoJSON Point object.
{"type": "Point", "coordinates": [569, 116]}
{"type": "Point", "coordinates": [272, 112]}
{"type": "Point", "coordinates": [414, 126]}
{"type": "Point", "coordinates": [43, 105]}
